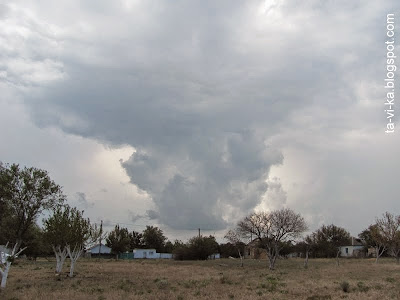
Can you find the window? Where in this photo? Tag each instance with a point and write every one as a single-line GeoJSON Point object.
{"type": "Point", "coordinates": [347, 250]}
{"type": "Point", "coordinates": [150, 252]}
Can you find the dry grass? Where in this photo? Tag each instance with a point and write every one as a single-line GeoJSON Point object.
{"type": "Point", "coordinates": [218, 279]}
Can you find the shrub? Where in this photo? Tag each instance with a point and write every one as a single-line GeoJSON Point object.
{"type": "Point", "coordinates": [345, 286]}
{"type": "Point", "coordinates": [198, 248]}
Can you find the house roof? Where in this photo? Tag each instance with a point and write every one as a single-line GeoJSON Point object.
{"type": "Point", "coordinates": [356, 242]}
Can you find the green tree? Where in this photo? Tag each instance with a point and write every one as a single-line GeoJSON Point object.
{"type": "Point", "coordinates": [169, 247]}
{"type": "Point", "coordinates": [24, 194]}
{"type": "Point", "coordinates": [198, 248]}
{"type": "Point", "coordinates": [153, 237]}
{"type": "Point", "coordinates": [57, 232]}
{"type": "Point", "coordinates": [228, 250]}
{"type": "Point", "coordinates": [136, 240]}
{"type": "Point", "coordinates": [329, 239]}
{"type": "Point", "coordinates": [119, 240]}
{"type": "Point", "coordinates": [202, 247]}
{"type": "Point", "coordinates": [35, 243]}
{"type": "Point", "coordinates": [69, 233]}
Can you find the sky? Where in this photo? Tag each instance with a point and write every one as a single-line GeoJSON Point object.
{"type": "Point", "coordinates": [194, 114]}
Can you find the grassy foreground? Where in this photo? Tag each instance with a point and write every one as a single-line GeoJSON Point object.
{"type": "Point", "coordinates": [217, 279]}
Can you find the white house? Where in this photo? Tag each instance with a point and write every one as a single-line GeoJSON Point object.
{"type": "Point", "coordinates": [355, 248]}
{"type": "Point", "coordinates": [150, 253]}
{"type": "Point", "coordinates": [99, 249]}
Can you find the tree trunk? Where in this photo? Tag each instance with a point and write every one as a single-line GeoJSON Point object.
{"type": "Point", "coordinates": [272, 260]}
{"type": "Point", "coordinates": [71, 270]}
{"type": "Point", "coordinates": [74, 255]}
{"type": "Point", "coordinates": [337, 257]}
{"type": "Point", "coordinates": [306, 260]}
{"type": "Point", "coordinates": [4, 274]}
{"type": "Point", "coordinates": [379, 251]}
{"type": "Point", "coordinates": [60, 258]}
{"type": "Point", "coordinates": [241, 258]}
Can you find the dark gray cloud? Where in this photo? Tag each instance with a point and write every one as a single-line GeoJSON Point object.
{"type": "Point", "coordinates": [212, 95]}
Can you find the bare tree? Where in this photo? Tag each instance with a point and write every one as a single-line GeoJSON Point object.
{"type": "Point", "coordinates": [388, 231]}
{"type": "Point", "coordinates": [380, 241]}
{"type": "Point", "coordinates": [272, 229]}
{"type": "Point", "coordinates": [237, 237]}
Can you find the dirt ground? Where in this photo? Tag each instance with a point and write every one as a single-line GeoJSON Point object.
{"type": "Point", "coordinates": [216, 279]}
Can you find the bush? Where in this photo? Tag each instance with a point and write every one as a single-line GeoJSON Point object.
{"type": "Point", "coordinates": [345, 286]}
{"type": "Point", "coordinates": [198, 248]}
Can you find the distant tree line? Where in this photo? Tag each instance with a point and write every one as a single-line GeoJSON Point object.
{"type": "Point", "coordinates": [120, 240]}
{"type": "Point", "coordinates": [25, 193]}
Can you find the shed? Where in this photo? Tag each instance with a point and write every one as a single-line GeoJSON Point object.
{"type": "Point", "coordinates": [354, 249]}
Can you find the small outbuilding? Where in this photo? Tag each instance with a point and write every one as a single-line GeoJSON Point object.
{"type": "Point", "coordinates": [354, 249]}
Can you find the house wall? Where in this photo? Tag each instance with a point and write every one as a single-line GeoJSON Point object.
{"type": "Point", "coordinates": [255, 252]}
{"type": "Point", "coordinates": [166, 255]}
{"type": "Point", "coordinates": [351, 250]}
{"type": "Point", "coordinates": [215, 256]}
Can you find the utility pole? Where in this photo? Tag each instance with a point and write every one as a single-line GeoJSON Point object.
{"type": "Point", "coordinates": [199, 232]}
{"type": "Point", "coordinates": [101, 233]}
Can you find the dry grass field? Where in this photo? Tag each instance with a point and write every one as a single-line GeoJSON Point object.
{"type": "Point", "coordinates": [218, 279]}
